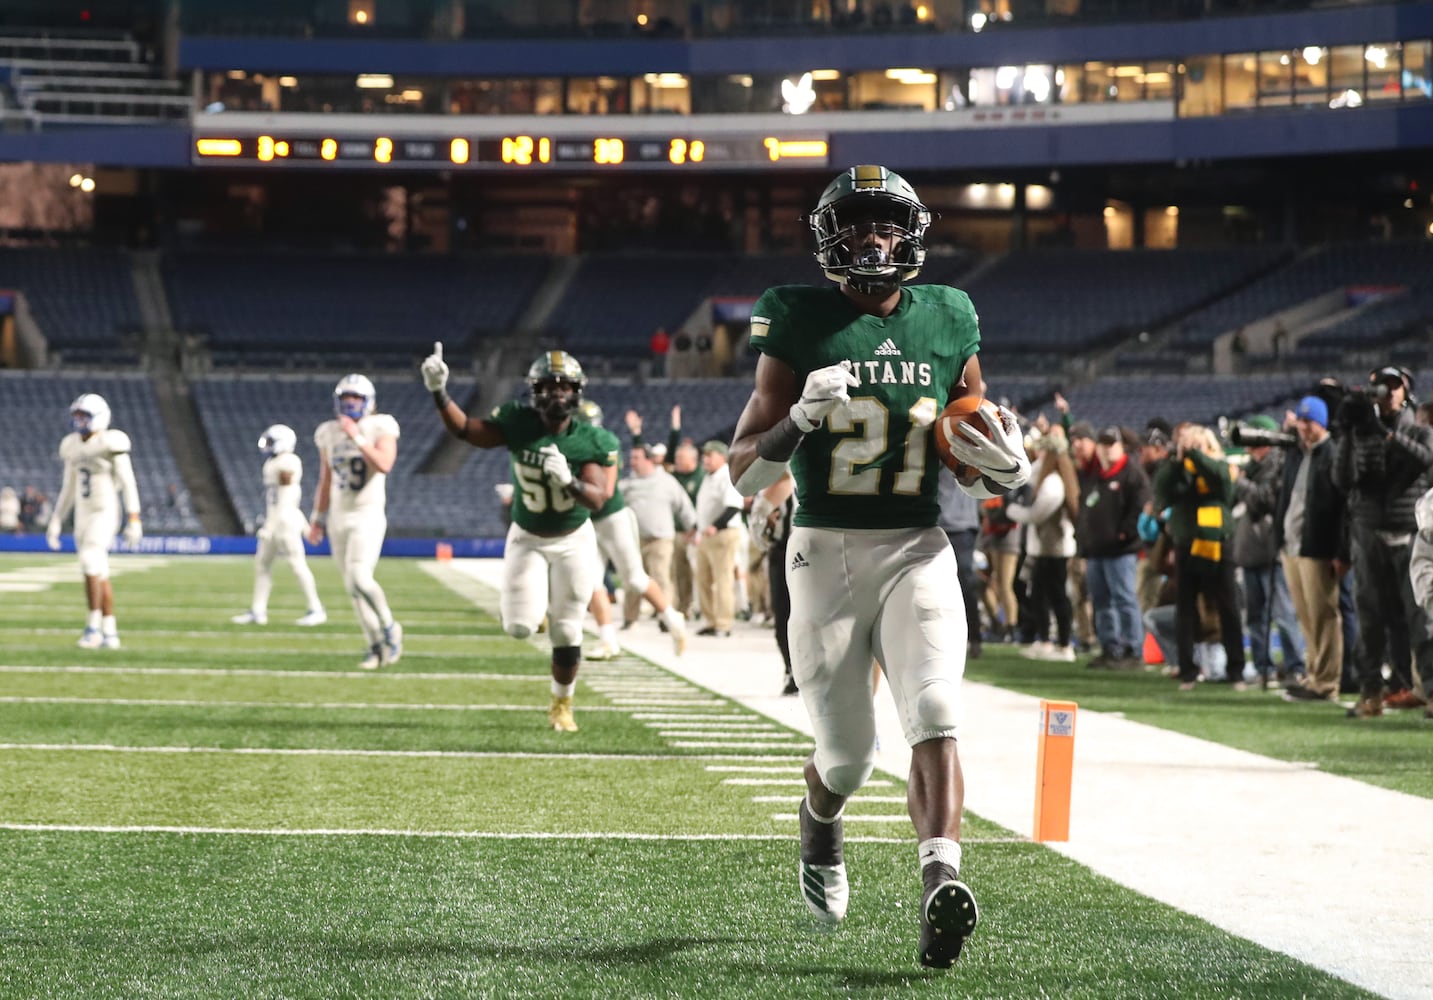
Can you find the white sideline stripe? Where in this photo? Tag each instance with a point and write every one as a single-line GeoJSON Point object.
{"type": "Point", "coordinates": [201, 703]}
{"type": "Point", "coordinates": [846, 816]}
{"type": "Point", "coordinates": [705, 745]}
{"type": "Point", "coordinates": [754, 769]}
{"type": "Point", "coordinates": [735, 713]}
{"type": "Point", "coordinates": [75, 668]}
{"type": "Point", "coordinates": [329, 752]}
{"type": "Point", "coordinates": [714, 727]}
{"type": "Point", "coordinates": [875, 782]}
{"type": "Point", "coordinates": [856, 800]}
{"type": "Point", "coordinates": [715, 734]}
{"type": "Point", "coordinates": [659, 702]}
{"type": "Point", "coordinates": [7, 587]}
{"type": "Point", "coordinates": [454, 834]}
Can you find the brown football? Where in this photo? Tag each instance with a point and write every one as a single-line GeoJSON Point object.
{"type": "Point", "coordinates": [975, 410]}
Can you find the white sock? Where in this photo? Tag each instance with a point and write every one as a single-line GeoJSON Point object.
{"type": "Point", "coordinates": [673, 618]}
{"type": "Point", "coordinates": [939, 849]}
{"type": "Point", "coordinates": [563, 690]}
{"type": "Point", "coordinates": [92, 620]}
{"type": "Point", "coordinates": [608, 634]}
{"type": "Point", "coordinates": [108, 626]}
{"type": "Point", "coordinates": [828, 820]}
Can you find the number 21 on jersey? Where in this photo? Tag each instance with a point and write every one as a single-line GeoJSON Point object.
{"type": "Point", "coordinates": [874, 420]}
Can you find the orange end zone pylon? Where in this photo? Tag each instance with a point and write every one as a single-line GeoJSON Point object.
{"type": "Point", "coordinates": [1054, 768]}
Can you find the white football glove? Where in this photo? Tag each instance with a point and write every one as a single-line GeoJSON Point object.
{"type": "Point", "coordinates": [133, 532]}
{"type": "Point", "coordinates": [435, 369]}
{"type": "Point", "coordinates": [825, 390]}
{"type": "Point", "coordinates": [1000, 458]}
{"type": "Point", "coordinates": [52, 535]}
{"type": "Point", "coordinates": [554, 464]}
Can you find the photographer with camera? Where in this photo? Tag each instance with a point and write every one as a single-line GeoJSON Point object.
{"type": "Point", "coordinates": [1267, 604]}
{"type": "Point", "coordinates": [1383, 464]}
{"type": "Point", "coordinates": [1196, 484]}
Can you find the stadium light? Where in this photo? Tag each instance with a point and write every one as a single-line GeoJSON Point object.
{"type": "Point", "coordinates": [374, 81]}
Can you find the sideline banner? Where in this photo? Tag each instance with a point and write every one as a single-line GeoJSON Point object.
{"type": "Point", "coordinates": [241, 545]}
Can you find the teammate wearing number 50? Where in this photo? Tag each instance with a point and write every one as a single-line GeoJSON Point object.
{"type": "Point", "coordinates": [849, 383]}
{"type": "Point", "coordinates": [356, 451]}
{"type": "Point", "coordinates": [98, 474]}
{"type": "Point", "coordinates": [563, 470]}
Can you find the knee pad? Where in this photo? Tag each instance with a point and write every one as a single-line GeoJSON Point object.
{"type": "Point", "coordinates": [566, 656]}
{"type": "Point", "coordinates": [518, 630]}
{"type": "Point", "coordinates": [845, 777]}
{"type": "Point", "coordinates": [937, 707]}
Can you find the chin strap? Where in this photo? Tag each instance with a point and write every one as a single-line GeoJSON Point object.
{"type": "Point", "coordinates": [870, 286]}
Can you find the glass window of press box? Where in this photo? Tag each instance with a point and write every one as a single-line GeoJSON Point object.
{"type": "Point", "coordinates": [1340, 76]}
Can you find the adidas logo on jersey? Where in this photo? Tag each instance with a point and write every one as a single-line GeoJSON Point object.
{"type": "Point", "coordinates": [888, 349]}
{"type": "Point", "coordinates": [799, 562]}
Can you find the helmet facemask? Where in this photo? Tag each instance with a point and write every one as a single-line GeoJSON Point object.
{"type": "Point", "coordinates": [871, 241]}
{"type": "Point", "coordinates": [555, 399]}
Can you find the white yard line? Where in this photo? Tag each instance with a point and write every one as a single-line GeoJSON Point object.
{"type": "Point", "coordinates": [613, 758]}
{"type": "Point", "coordinates": [442, 834]}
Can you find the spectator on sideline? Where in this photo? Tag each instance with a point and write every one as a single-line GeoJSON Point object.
{"type": "Point", "coordinates": [1049, 526]}
{"type": "Point", "coordinates": [960, 520]}
{"type": "Point", "coordinates": [1113, 492]}
{"type": "Point", "coordinates": [663, 511]}
{"type": "Point", "coordinates": [1267, 604]}
{"type": "Point", "coordinates": [1196, 485]}
{"type": "Point", "coordinates": [1310, 527]}
{"type": "Point", "coordinates": [9, 511]}
{"type": "Point", "coordinates": [1383, 459]}
{"type": "Point", "coordinates": [719, 506]}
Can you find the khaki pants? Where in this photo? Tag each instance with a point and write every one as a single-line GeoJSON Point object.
{"type": "Point", "coordinates": [684, 576]}
{"type": "Point", "coordinates": [1084, 615]}
{"type": "Point", "coordinates": [657, 561]}
{"type": "Point", "coordinates": [716, 562]}
{"type": "Point", "coordinates": [1313, 586]}
{"type": "Point", "coordinates": [756, 583]}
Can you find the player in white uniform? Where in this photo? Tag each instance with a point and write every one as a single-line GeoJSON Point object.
{"type": "Point", "coordinates": [283, 529]}
{"type": "Point", "coordinates": [98, 473]}
{"type": "Point", "coordinates": [357, 450]}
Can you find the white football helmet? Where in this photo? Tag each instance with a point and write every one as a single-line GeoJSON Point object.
{"type": "Point", "coordinates": [89, 413]}
{"type": "Point", "coordinates": [354, 385]}
{"type": "Point", "coordinates": [279, 439]}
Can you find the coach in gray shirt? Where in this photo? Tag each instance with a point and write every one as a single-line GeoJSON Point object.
{"type": "Point", "coordinates": [662, 508]}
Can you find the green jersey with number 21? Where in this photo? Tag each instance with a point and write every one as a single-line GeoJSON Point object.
{"type": "Point", "coordinates": [539, 505]}
{"type": "Point", "coordinates": [870, 465]}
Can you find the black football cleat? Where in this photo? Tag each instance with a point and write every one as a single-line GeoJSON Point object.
{"type": "Point", "coordinates": [948, 917]}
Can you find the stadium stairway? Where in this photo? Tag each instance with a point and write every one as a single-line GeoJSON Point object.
{"type": "Point", "coordinates": [192, 453]}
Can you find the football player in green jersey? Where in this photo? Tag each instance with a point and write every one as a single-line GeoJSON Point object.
{"type": "Point", "coordinates": [617, 540]}
{"type": "Point", "coordinates": [849, 383]}
{"type": "Point", "coordinates": [563, 470]}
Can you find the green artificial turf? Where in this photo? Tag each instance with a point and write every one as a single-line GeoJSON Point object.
{"type": "Point", "coordinates": [228, 811]}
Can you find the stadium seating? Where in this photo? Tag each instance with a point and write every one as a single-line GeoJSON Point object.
{"type": "Point", "coordinates": [305, 310]}
{"type": "Point", "coordinates": [1313, 273]}
{"type": "Point", "coordinates": [34, 409]}
{"type": "Point", "coordinates": [1090, 298]}
{"type": "Point", "coordinates": [82, 298]}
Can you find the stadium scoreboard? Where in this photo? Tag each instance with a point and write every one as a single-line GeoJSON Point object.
{"type": "Point", "coordinates": [614, 151]}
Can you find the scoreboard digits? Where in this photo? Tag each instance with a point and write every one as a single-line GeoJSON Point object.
{"type": "Point", "coordinates": [514, 152]}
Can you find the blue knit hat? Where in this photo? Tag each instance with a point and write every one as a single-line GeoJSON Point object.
{"type": "Point", "coordinates": [1314, 409]}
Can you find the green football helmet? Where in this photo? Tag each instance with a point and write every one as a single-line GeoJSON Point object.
{"type": "Point", "coordinates": [589, 411]}
{"type": "Point", "coordinates": [863, 201]}
{"type": "Point", "coordinates": [556, 381]}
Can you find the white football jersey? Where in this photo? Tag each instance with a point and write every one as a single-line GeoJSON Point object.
{"type": "Point", "coordinates": [282, 502]}
{"type": "Point", "coordinates": [96, 485]}
{"type": "Point", "coordinates": [357, 485]}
